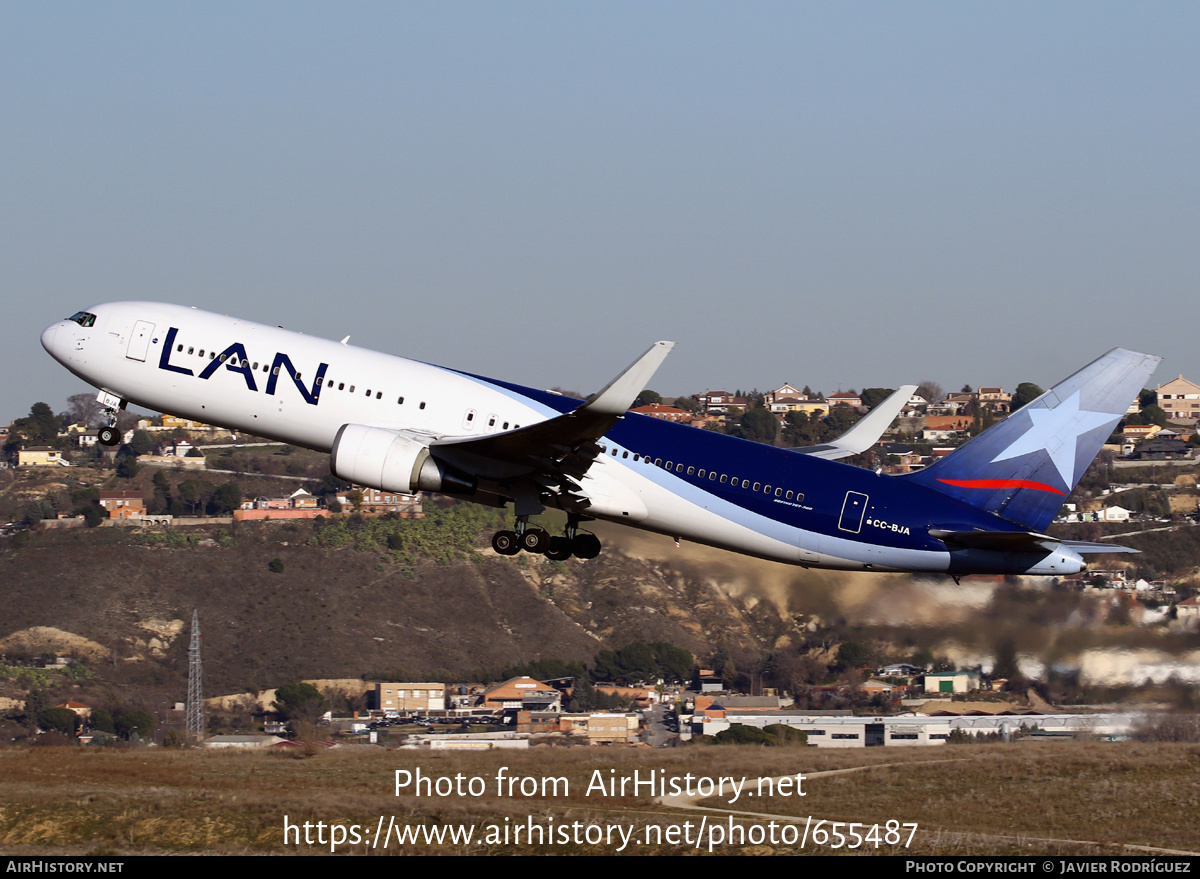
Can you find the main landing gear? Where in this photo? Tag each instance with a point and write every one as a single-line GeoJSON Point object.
{"type": "Point", "coordinates": [573, 542]}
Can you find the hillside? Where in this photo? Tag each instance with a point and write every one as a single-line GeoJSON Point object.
{"type": "Point", "coordinates": [339, 612]}
{"type": "Point", "coordinates": [429, 599]}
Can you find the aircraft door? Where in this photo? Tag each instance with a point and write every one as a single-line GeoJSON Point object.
{"type": "Point", "coordinates": [854, 508]}
{"type": "Point", "coordinates": [139, 340]}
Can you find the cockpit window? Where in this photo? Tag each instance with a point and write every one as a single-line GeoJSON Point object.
{"type": "Point", "coordinates": [83, 318]}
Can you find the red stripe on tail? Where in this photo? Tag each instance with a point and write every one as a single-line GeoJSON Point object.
{"type": "Point", "coordinates": [1001, 483]}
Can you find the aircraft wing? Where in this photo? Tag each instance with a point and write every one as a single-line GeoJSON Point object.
{"type": "Point", "coordinates": [559, 449]}
{"type": "Point", "coordinates": [866, 431]}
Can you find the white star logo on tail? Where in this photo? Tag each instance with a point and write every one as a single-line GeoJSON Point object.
{"type": "Point", "coordinates": [1056, 431]}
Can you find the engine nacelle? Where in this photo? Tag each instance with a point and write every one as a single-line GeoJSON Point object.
{"type": "Point", "coordinates": [391, 461]}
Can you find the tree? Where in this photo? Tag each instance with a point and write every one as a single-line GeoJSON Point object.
{"type": "Point", "coordinates": [226, 498]}
{"type": "Point", "coordinates": [330, 484]}
{"type": "Point", "coordinates": [299, 700]}
{"type": "Point", "coordinates": [632, 664]}
{"type": "Point", "coordinates": [802, 429]}
{"type": "Point", "coordinates": [43, 420]}
{"type": "Point", "coordinates": [37, 510]}
{"type": "Point", "coordinates": [775, 735]}
{"type": "Point", "coordinates": [36, 701]}
{"type": "Point", "coordinates": [127, 466]}
{"type": "Point", "coordinates": [851, 654]}
{"type": "Point", "coordinates": [840, 419]}
{"type": "Point", "coordinates": [135, 723]}
{"type": "Point", "coordinates": [646, 398]}
{"type": "Point", "coordinates": [101, 719]}
{"type": "Point", "coordinates": [741, 734]}
{"type": "Point", "coordinates": [729, 673]}
{"type": "Point", "coordinates": [64, 720]}
{"type": "Point", "coordinates": [756, 424]}
{"type": "Point", "coordinates": [930, 391]}
{"type": "Point", "coordinates": [142, 442]}
{"type": "Point", "coordinates": [1026, 392]}
{"type": "Point", "coordinates": [785, 735]}
{"type": "Point", "coordinates": [547, 670]}
{"type": "Point", "coordinates": [674, 663]}
{"type": "Point", "coordinates": [872, 397]}
{"type": "Point", "coordinates": [584, 696]}
{"type": "Point", "coordinates": [196, 493]}
{"type": "Point", "coordinates": [83, 408]}
{"type": "Point", "coordinates": [641, 662]}
{"type": "Point", "coordinates": [794, 670]}
{"type": "Point", "coordinates": [1154, 414]}
{"type": "Point", "coordinates": [161, 502]}
{"type": "Point", "coordinates": [982, 419]}
{"type": "Point", "coordinates": [38, 428]}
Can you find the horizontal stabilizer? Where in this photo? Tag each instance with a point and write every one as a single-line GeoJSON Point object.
{"type": "Point", "coordinates": [1018, 541]}
{"type": "Point", "coordinates": [866, 431]}
{"type": "Point", "coordinates": [997, 541]}
{"type": "Point", "coordinates": [1083, 547]}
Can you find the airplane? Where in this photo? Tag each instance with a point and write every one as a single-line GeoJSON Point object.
{"type": "Point", "coordinates": [406, 426]}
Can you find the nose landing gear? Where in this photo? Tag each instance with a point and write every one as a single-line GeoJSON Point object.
{"type": "Point", "coordinates": [109, 435]}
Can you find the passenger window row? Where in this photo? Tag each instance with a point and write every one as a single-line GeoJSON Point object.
{"type": "Point", "coordinates": [710, 475]}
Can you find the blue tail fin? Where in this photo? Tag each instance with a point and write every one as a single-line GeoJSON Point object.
{"type": "Point", "coordinates": [1024, 467]}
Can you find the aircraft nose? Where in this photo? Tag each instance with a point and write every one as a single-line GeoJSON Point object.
{"type": "Point", "coordinates": [49, 335]}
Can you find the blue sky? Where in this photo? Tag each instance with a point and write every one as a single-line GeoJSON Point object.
{"type": "Point", "coordinates": [834, 194]}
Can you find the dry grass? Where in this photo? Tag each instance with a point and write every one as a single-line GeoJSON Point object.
{"type": "Point", "coordinates": [969, 799]}
{"type": "Point", "coordinates": [1119, 794]}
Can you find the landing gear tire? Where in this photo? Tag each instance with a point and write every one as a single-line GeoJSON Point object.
{"type": "Point", "coordinates": [585, 546]}
{"type": "Point", "coordinates": [108, 436]}
{"type": "Point", "coordinates": [535, 540]}
{"type": "Point", "coordinates": [559, 549]}
{"type": "Point", "coordinates": [506, 543]}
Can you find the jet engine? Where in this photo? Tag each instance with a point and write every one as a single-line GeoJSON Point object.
{"type": "Point", "coordinates": [392, 461]}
